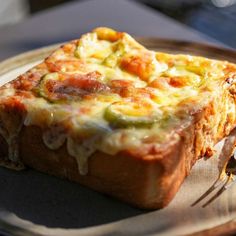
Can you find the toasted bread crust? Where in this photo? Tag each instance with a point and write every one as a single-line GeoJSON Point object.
{"type": "Point", "coordinates": [148, 182]}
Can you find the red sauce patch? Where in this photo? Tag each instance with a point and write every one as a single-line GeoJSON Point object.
{"type": "Point", "coordinates": [137, 65]}
{"type": "Point", "coordinates": [68, 65]}
{"type": "Point", "coordinates": [127, 89]}
{"type": "Point", "coordinates": [179, 81]}
{"type": "Point", "coordinates": [163, 83]}
{"type": "Point", "coordinates": [27, 81]}
{"type": "Point", "coordinates": [23, 94]}
{"type": "Point", "coordinates": [69, 48]}
{"type": "Point", "coordinates": [160, 83]}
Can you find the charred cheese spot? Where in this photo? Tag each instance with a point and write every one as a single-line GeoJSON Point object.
{"type": "Point", "coordinates": [59, 87]}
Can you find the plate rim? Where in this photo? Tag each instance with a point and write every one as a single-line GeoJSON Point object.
{"type": "Point", "coordinates": [22, 59]}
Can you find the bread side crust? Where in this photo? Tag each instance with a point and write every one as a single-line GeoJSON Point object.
{"type": "Point", "coordinates": [138, 181]}
{"type": "Point", "coordinates": [148, 182]}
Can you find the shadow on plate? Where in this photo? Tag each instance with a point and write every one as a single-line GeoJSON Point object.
{"type": "Point", "coordinates": [54, 202]}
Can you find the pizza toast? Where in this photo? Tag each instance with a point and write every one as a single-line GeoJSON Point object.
{"type": "Point", "coordinates": [108, 113]}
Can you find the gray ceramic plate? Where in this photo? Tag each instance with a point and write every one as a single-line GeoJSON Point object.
{"type": "Point", "coordinates": [32, 203]}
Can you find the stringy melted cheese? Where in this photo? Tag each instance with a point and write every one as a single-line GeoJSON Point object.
{"type": "Point", "coordinates": [172, 85]}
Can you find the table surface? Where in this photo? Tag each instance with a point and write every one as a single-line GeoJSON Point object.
{"type": "Point", "coordinates": [69, 21]}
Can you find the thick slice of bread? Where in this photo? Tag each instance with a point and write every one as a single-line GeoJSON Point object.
{"type": "Point", "coordinates": [138, 159]}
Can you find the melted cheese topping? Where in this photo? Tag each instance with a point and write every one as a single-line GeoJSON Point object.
{"type": "Point", "coordinates": [107, 92]}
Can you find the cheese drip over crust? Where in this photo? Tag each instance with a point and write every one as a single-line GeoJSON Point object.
{"type": "Point", "coordinates": [106, 92]}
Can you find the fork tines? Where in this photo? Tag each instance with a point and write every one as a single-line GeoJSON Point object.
{"type": "Point", "coordinates": [227, 170]}
{"type": "Point", "coordinates": [224, 183]}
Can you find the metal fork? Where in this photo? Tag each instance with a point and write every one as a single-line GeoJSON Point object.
{"type": "Point", "coordinates": [227, 171]}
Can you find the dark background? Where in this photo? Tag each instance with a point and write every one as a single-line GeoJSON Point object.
{"type": "Point", "coordinates": [216, 18]}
